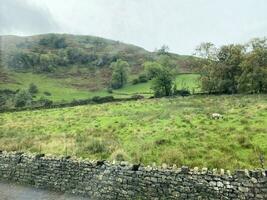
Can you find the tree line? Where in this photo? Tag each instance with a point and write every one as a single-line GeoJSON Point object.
{"type": "Point", "coordinates": [234, 68]}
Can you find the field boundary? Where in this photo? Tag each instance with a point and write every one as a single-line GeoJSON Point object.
{"type": "Point", "coordinates": [121, 180]}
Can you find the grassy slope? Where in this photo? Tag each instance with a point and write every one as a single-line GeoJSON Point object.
{"type": "Point", "coordinates": [61, 88]}
{"type": "Point", "coordinates": [161, 130]}
{"type": "Point", "coordinates": [77, 79]}
{"type": "Point", "coordinates": [58, 88]}
{"type": "Point", "coordinates": [188, 81]}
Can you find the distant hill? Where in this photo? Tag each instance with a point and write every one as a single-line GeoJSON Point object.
{"type": "Point", "coordinates": [77, 61]}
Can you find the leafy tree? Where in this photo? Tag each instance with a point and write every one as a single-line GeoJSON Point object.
{"type": "Point", "coordinates": [47, 62]}
{"type": "Point", "coordinates": [221, 70]}
{"type": "Point", "coordinates": [206, 50]}
{"type": "Point", "coordinates": [21, 60]}
{"type": "Point", "coordinates": [235, 68]}
{"type": "Point", "coordinates": [162, 79]}
{"type": "Point", "coordinates": [152, 69]}
{"type": "Point", "coordinates": [33, 89]}
{"type": "Point", "coordinates": [119, 74]}
{"type": "Point", "coordinates": [254, 68]}
{"type": "Point", "coordinates": [22, 98]}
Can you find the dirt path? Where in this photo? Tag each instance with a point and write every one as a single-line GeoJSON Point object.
{"type": "Point", "coordinates": [10, 191]}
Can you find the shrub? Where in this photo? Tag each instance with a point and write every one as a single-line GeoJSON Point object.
{"type": "Point", "coordinates": [98, 99]}
{"type": "Point", "coordinates": [22, 98]}
{"type": "Point", "coordinates": [33, 88]}
{"type": "Point", "coordinates": [135, 81]}
{"type": "Point", "coordinates": [47, 93]}
{"type": "Point", "coordinates": [46, 102]}
{"type": "Point", "coordinates": [141, 79]}
{"type": "Point", "coordinates": [109, 90]}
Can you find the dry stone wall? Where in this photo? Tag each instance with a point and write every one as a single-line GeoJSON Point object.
{"type": "Point", "coordinates": [104, 180]}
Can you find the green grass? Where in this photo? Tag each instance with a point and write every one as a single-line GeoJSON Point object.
{"type": "Point", "coordinates": [62, 89]}
{"type": "Point", "coordinates": [173, 131]}
{"type": "Point", "coordinates": [183, 81]}
{"type": "Point", "coordinates": [59, 88]}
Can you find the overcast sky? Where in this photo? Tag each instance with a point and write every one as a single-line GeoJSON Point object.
{"type": "Point", "coordinates": [180, 24]}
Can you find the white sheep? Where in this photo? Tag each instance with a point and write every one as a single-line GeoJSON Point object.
{"type": "Point", "coordinates": [216, 116]}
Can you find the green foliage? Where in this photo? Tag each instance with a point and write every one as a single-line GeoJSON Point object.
{"type": "Point", "coordinates": [120, 74]}
{"type": "Point", "coordinates": [33, 89]}
{"type": "Point", "coordinates": [234, 68]}
{"type": "Point", "coordinates": [152, 69]}
{"type": "Point", "coordinates": [22, 98]}
{"type": "Point", "coordinates": [53, 41]}
{"type": "Point", "coordinates": [21, 60]}
{"type": "Point", "coordinates": [162, 79]}
{"type": "Point", "coordinates": [142, 78]}
{"type": "Point", "coordinates": [254, 68]}
{"type": "Point", "coordinates": [162, 83]}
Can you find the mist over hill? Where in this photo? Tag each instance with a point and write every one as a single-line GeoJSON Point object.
{"type": "Point", "coordinates": [69, 49]}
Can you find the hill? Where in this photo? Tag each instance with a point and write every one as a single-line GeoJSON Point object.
{"type": "Point", "coordinates": [72, 66]}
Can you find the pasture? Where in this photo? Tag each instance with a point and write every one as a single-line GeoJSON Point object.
{"type": "Point", "coordinates": [66, 89]}
{"type": "Point", "coordinates": [169, 130]}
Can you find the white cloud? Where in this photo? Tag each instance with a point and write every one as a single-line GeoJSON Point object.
{"type": "Point", "coordinates": [22, 17]}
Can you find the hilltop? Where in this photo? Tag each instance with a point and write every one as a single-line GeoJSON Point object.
{"type": "Point", "coordinates": [74, 66]}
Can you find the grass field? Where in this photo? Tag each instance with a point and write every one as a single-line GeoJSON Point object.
{"type": "Point", "coordinates": [57, 87]}
{"type": "Point", "coordinates": [183, 81]}
{"type": "Point", "coordinates": [173, 131]}
{"type": "Point", "coordinates": [62, 89]}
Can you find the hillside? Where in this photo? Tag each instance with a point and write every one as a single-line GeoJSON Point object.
{"type": "Point", "coordinates": [168, 130]}
{"type": "Point", "coordinates": [72, 66]}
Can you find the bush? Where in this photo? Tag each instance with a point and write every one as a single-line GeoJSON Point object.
{"type": "Point", "coordinates": [33, 88]}
{"type": "Point", "coordinates": [135, 81]}
{"type": "Point", "coordinates": [46, 102]}
{"type": "Point", "coordinates": [22, 98]}
{"type": "Point", "coordinates": [109, 90]}
{"type": "Point", "coordinates": [141, 79]}
{"type": "Point", "coordinates": [98, 99]}
{"type": "Point", "coordinates": [47, 93]}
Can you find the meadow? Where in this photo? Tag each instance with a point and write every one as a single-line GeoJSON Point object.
{"type": "Point", "coordinates": [169, 130]}
{"type": "Point", "coordinates": [63, 89]}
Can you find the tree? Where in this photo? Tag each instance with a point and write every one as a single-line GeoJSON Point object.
{"type": "Point", "coordinates": [33, 89]}
{"type": "Point", "coordinates": [206, 50]}
{"type": "Point", "coordinates": [163, 50]}
{"type": "Point", "coordinates": [221, 69]}
{"type": "Point", "coordinates": [119, 74]}
{"type": "Point", "coordinates": [162, 79]}
{"type": "Point", "coordinates": [47, 63]}
{"type": "Point", "coordinates": [152, 69]}
{"type": "Point", "coordinates": [254, 68]}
